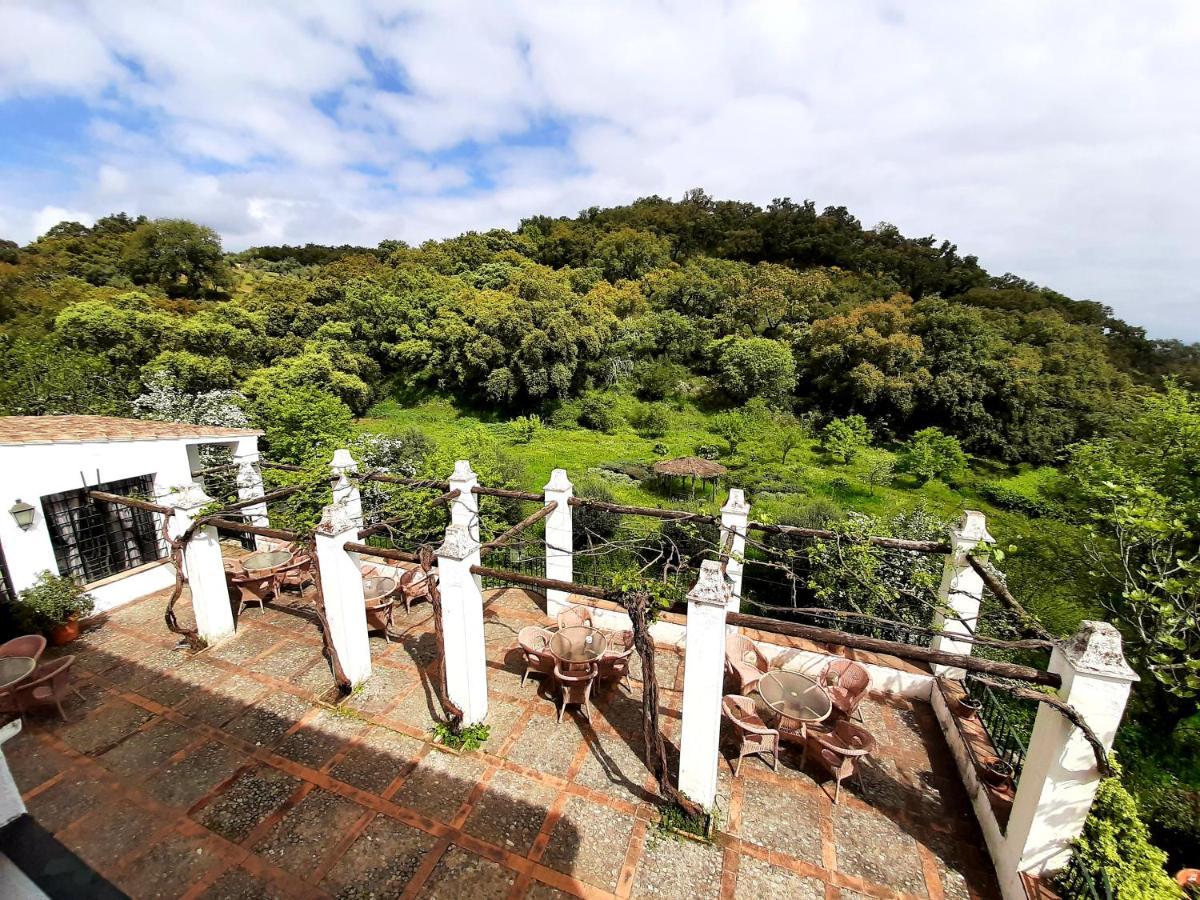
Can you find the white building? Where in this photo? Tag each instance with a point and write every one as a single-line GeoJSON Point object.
{"type": "Point", "coordinates": [50, 463]}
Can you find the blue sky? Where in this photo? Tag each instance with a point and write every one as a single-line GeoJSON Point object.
{"type": "Point", "coordinates": [1058, 141]}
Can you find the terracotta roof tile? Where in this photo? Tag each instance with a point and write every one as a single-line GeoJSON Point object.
{"type": "Point", "coordinates": [87, 429]}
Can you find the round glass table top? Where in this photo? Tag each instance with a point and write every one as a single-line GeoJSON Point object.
{"type": "Point", "coordinates": [266, 559]}
{"type": "Point", "coordinates": [14, 668]}
{"type": "Point", "coordinates": [376, 587]}
{"type": "Point", "coordinates": [578, 644]}
{"type": "Point", "coordinates": [795, 696]}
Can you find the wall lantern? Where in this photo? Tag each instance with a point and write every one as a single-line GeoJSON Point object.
{"type": "Point", "coordinates": [23, 514]}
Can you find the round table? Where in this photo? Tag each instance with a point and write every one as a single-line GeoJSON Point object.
{"type": "Point", "coordinates": [15, 668]}
{"type": "Point", "coordinates": [378, 587]}
{"type": "Point", "coordinates": [795, 696]}
{"type": "Point", "coordinates": [578, 644]}
{"type": "Point", "coordinates": [267, 560]}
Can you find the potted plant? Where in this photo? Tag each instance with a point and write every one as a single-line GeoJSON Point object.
{"type": "Point", "coordinates": [998, 773]}
{"type": "Point", "coordinates": [53, 606]}
{"type": "Point", "coordinates": [968, 706]}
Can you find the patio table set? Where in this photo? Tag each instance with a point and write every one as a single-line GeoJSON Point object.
{"type": "Point", "coordinates": [576, 655]}
{"type": "Point", "coordinates": [24, 683]}
{"type": "Point", "coordinates": [816, 710]}
{"type": "Point", "coordinates": [265, 574]}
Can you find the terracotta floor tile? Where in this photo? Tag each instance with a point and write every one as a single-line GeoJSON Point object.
{"type": "Point", "coordinates": [380, 862]}
{"type": "Point", "coordinates": [873, 847]}
{"type": "Point", "coordinates": [589, 842]}
{"type": "Point", "coordinates": [238, 884]}
{"type": "Point", "coordinates": [184, 782]}
{"type": "Point", "coordinates": [268, 719]}
{"type": "Point", "coordinates": [308, 832]}
{"type": "Point", "coordinates": [144, 751]}
{"type": "Point", "coordinates": [31, 762]}
{"type": "Point", "coordinates": [780, 820]}
{"type": "Point", "coordinates": [511, 812]}
{"type": "Point", "coordinates": [72, 797]}
{"type": "Point", "coordinates": [440, 783]}
{"type": "Point", "coordinates": [376, 759]}
{"type": "Point", "coordinates": [546, 745]}
{"type": "Point", "coordinates": [462, 874]}
{"type": "Point", "coordinates": [251, 798]}
{"type": "Point", "coordinates": [318, 739]}
{"type": "Point", "coordinates": [168, 869]}
{"type": "Point", "coordinates": [112, 832]}
{"type": "Point", "coordinates": [757, 879]}
{"type": "Point", "coordinates": [105, 727]}
{"type": "Point", "coordinates": [672, 868]}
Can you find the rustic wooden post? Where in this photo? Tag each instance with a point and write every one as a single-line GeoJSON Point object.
{"type": "Point", "coordinates": [202, 565]}
{"type": "Point", "coordinates": [559, 539]}
{"type": "Point", "coordinates": [703, 677]}
{"type": "Point", "coordinates": [961, 591]}
{"type": "Point", "coordinates": [464, 655]}
{"type": "Point", "coordinates": [342, 591]}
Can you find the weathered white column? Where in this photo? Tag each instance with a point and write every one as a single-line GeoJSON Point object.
{"type": "Point", "coordinates": [342, 590]}
{"type": "Point", "coordinates": [559, 538]}
{"type": "Point", "coordinates": [463, 652]}
{"type": "Point", "coordinates": [202, 565]}
{"type": "Point", "coordinates": [961, 591]}
{"type": "Point", "coordinates": [464, 509]}
{"type": "Point", "coordinates": [11, 804]}
{"type": "Point", "coordinates": [703, 677]}
{"type": "Point", "coordinates": [249, 485]}
{"type": "Point", "coordinates": [735, 514]}
{"type": "Point", "coordinates": [1060, 777]}
{"type": "Point", "coordinates": [345, 489]}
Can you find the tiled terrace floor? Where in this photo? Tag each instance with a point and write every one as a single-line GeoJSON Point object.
{"type": "Point", "coordinates": [224, 775]}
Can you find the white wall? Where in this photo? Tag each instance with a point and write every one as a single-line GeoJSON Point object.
{"type": "Point", "coordinates": [30, 471]}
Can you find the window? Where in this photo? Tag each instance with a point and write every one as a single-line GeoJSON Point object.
{"type": "Point", "coordinates": [93, 539]}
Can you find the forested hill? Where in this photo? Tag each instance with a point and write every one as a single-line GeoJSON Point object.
{"type": "Point", "coordinates": [715, 300]}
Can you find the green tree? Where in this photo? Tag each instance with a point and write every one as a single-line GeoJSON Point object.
{"type": "Point", "coordinates": [181, 257]}
{"type": "Point", "coordinates": [41, 377]}
{"type": "Point", "coordinates": [629, 253]}
{"type": "Point", "coordinates": [932, 454]}
{"type": "Point", "coordinates": [755, 367]}
{"type": "Point", "coordinates": [301, 423]}
{"type": "Point", "coordinates": [732, 426]}
{"type": "Point", "coordinates": [844, 439]}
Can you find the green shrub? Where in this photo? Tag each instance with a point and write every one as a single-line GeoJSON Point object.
{"type": "Point", "coordinates": [844, 439]}
{"type": "Point", "coordinates": [707, 451]}
{"type": "Point", "coordinates": [819, 512]}
{"type": "Point", "coordinates": [456, 738]}
{"type": "Point", "coordinates": [1006, 497]}
{"type": "Point", "coordinates": [525, 428]}
{"type": "Point", "coordinates": [657, 379]}
{"type": "Point", "coordinates": [932, 454]}
{"type": "Point", "coordinates": [597, 414]}
{"type": "Point", "coordinates": [651, 420]}
{"type": "Point", "coordinates": [51, 601]}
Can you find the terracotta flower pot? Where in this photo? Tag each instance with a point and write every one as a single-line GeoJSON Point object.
{"type": "Point", "coordinates": [64, 633]}
{"type": "Point", "coordinates": [998, 773]}
{"type": "Point", "coordinates": [968, 706]}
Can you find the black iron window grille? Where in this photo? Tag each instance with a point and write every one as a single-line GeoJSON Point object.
{"type": "Point", "coordinates": [94, 539]}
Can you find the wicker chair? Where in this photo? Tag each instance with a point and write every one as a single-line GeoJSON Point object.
{"type": "Point", "coordinates": [416, 584]}
{"type": "Point", "coordinates": [47, 684]}
{"type": "Point", "coordinates": [534, 642]}
{"type": "Point", "coordinates": [614, 664]}
{"type": "Point", "coordinates": [839, 751]}
{"type": "Point", "coordinates": [745, 662]}
{"type": "Point", "coordinates": [251, 589]}
{"type": "Point", "coordinates": [30, 645]}
{"type": "Point", "coordinates": [754, 735]}
{"type": "Point", "coordinates": [847, 683]}
{"type": "Point", "coordinates": [379, 615]}
{"type": "Point", "coordinates": [575, 615]}
{"type": "Point", "coordinates": [295, 574]}
{"type": "Point", "coordinates": [575, 687]}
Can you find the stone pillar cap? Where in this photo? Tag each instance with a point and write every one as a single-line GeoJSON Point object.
{"type": "Point", "coordinates": [336, 519]}
{"type": "Point", "coordinates": [559, 481]}
{"type": "Point", "coordinates": [736, 504]}
{"type": "Point", "coordinates": [458, 544]}
{"type": "Point", "coordinates": [188, 497]}
{"type": "Point", "coordinates": [1096, 649]}
{"type": "Point", "coordinates": [712, 587]}
{"type": "Point", "coordinates": [463, 471]}
{"type": "Point", "coordinates": [343, 461]}
{"type": "Point", "coordinates": [972, 528]}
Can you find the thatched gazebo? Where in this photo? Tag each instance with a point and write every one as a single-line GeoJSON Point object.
{"type": "Point", "coordinates": [690, 467]}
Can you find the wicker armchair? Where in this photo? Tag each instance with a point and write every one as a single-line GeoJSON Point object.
{"type": "Point", "coordinates": [575, 615]}
{"type": "Point", "coordinates": [247, 588]}
{"type": "Point", "coordinates": [847, 683]}
{"type": "Point", "coordinates": [30, 645]}
{"type": "Point", "coordinates": [754, 735]}
{"type": "Point", "coordinates": [839, 752]}
{"type": "Point", "coordinates": [416, 584]}
{"type": "Point", "coordinates": [575, 687]}
{"type": "Point", "coordinates": [47, 684]}
{"type": "Point", "coordinates": [295, 574]}
{"type": "Point", "coordinates": [614, 664]}
{"type": "Point", "coordinates": [745, 662]}
{"type": "Point", "coordinates": [534, 642]}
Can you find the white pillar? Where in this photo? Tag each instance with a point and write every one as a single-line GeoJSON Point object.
{"type": "Point", "coordinates": [345, 488]}
{"type": "Point", "coordinates": [11, 804]}
{"type": "Point", "coordinates": [250, 484]}
{"type": "Point", "coordinates": [735, 514]}
{"type": "Point", "coordinates": [703, 677]}
{"type": "Point", "coordinates": [961, 591]}
{"type": "Point", "coordinates": [342, 589]}
{"type": "Point", "coordinates": [463, 651]}
{"type": "Point", "coordinates": [559, 538]}
{"type": "Point", "coordinates": [1060, 776]}
{"type": "Point", "coordinates": [202, 565]}
{"type": "Point", "coordinates": [464, 509]}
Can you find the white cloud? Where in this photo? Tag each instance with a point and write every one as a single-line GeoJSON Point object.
{"type": "Point", "coordinates": [1053, 140]}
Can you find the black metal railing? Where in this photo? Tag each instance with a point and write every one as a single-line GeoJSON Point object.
{"type": "Point", "coordinates": [517, 559]}
{"type": "Point", "coordinates": [1078, 882]}
{"type": "Point", "coordinates": [1009, 733]}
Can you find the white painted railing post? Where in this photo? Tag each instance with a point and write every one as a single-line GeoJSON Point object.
{"type": "Point", "coordinates": [464, 509]}
{"type": "Point", "coordinates": [342, 590]}
{"type": "Point", "coordinates": [961, 591]}
{"type": "Point", "coordinates": [1060, 777]}
{"type": "Point", "coordinates": [249, 485]}
{"type": "Point", "coordinates": [202, 565]}
{"type": "Point", "coordinates": [463, 653]}
{"type": "Point", "coordinates": [735, 514]}
{"type": "Point", "coordinates": [703, 678]}
{"type": "Point", "coordinates": [559, 538]}
{"type": "Point", "coordinates": [345, 489]}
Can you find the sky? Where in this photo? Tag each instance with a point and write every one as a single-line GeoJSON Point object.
{"type": "Point", "coordinates": [1059, 141]}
